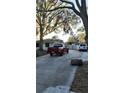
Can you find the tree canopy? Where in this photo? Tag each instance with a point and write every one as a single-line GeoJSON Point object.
{"type": "Point", "coordinates": [71, 39]}
{"type": "Point", "coordinates": [81, 11]}
{"type": "Point", "coordinates": [58, 20]}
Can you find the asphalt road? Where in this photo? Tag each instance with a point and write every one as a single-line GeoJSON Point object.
{"type": "Point", "coordinates": [55, 71]}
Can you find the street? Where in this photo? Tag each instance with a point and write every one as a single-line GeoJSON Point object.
{"type": "Point", "coordinates": [56, 70]}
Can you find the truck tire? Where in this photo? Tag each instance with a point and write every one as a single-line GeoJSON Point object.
{"type": "Point", "coordinates": [61, 54]}
{"type": "Point", "coordinates": [67, 51]}
{"type": "Point", "coordinates": [51, 54]}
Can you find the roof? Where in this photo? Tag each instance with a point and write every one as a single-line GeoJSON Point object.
{"type": "Point", "coordinates": [51, 40]}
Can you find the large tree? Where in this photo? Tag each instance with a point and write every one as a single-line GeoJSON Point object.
{"type": "Point", "coordinates": [71, 39]}
{"type": "Point", "coordinates": [47, 21]}
{"type": "Point", "coordinates": [81, 11]}
{"type": "Point", "coordinates": [53, 21]}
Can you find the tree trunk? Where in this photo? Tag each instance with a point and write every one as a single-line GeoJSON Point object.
{"type": "Point", "coordinates": [86, 29]}
{"type": "Point", "coordinates": [84, 18]}
{"type": "Point", "coordinates": [41, 39]}
{"type": "Point", "coordinates": [42, 24]}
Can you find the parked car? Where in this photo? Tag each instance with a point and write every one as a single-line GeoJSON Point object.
{"type": "Point", "coordinates": [83, 47]}
{"type": "Point", "coordinates": [58, 49]}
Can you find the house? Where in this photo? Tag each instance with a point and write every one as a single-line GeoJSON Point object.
{"type": "Point", "coordinates": [73, 46]}
{"type": "Point", "coordinates": [48, 43]}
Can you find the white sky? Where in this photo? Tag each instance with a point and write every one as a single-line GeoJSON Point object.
{"type": "Point", "coordinates": [61, 35]}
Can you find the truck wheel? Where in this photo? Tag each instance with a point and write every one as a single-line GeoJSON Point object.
{"type": "Point", "coordinates": [51, 54]}
{"type": "Point", "coordinates": [61, 54]}
{"type": "Point", "coordinates": [67, 51]}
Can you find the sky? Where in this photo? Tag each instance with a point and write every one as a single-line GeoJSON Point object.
{"type": "Point", "coordinates": [61, 35]}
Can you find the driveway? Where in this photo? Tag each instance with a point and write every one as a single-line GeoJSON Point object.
{"type": "Point", "coordinates": [54, 71]}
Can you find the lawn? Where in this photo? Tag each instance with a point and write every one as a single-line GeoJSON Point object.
{"type": "Point", "coordinates": [80, 83]}
{"type": "Point", "coordinates": [41, 53]}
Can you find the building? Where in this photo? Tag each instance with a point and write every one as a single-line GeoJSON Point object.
{"type": "Point", "coordinates": [48, 43]}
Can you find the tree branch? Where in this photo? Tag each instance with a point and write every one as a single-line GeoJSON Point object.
{"type": "Point", "coordinates": [53, 28]}
{"type": "Point", "coordinates": [52, 5]}
{"type": "Point", "coordinates": [38, 19]}
{"type": "Point", "coordinates": [78, 5]}
{"type": "Point", "coordinates": [67, 2]}
{"type": "Point", "coordinates": [84, 8]}
{"type": "Point", "coordinates": [55, 14]}
{"type": "Point", "coordinates": [52, 17]}
{"type": "Point", "coordinates": [37, 22]}
{"type": "Point", "coordinates": [55, 9]}
{"type": "Point", "coordinates": [68, 7]}
{"type": "Point", "coordinates": [83, 4]}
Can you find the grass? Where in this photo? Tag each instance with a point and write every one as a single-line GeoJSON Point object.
{"type": "Point", "coordinates": [40, 53]}
{"type": "Point", "coordinates": [80, 83]}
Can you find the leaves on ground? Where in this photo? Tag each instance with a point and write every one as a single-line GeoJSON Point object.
{"type": "Point", "coordinates": [80, 83]}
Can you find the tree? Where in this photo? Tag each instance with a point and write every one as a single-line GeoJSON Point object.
{"type": "Point", "coordinates": [48, 22]}
{"type": "Point", "coordinates": [77, 38]}
{"type": "Point", "coordinates": [81, 12]}
{"type": "Point", "coordinates": [81, 37]}
{"type": "Point", "coordinates": [71, 39]}
{"type": "Point", "coordinates": [81, 29]}
{"type": "Point", "coordinates": [53, 21]}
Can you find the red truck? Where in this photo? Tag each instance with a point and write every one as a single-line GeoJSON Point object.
{"type": "Point", "coordinates": [58, 49]}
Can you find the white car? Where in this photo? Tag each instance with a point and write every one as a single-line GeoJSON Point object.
{"type": "Point", "coordinates": [83, 47]}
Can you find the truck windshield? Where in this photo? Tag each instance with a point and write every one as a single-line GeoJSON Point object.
{"type": "Point", "coordinates": [82, 44]}
{"type": "Point", "coordinates": [58, 45]}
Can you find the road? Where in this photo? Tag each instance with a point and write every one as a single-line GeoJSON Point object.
{"type": "Point", "coordinates": [56, 70]}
